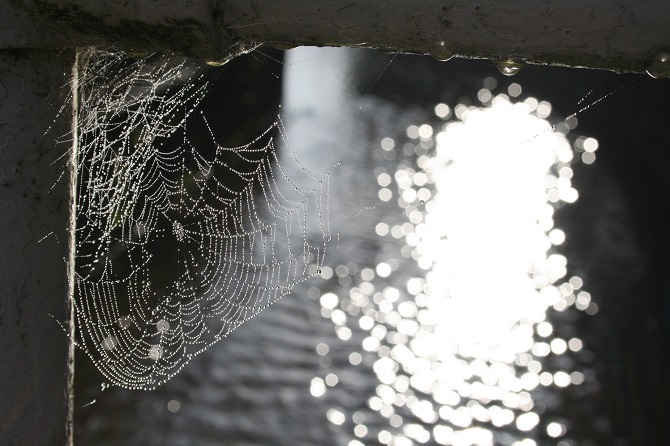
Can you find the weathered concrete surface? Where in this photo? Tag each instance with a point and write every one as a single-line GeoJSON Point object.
{"type": "Point", "coordinates": [622, 35]}
{"type": "Point", "coordinates": [36, 221]}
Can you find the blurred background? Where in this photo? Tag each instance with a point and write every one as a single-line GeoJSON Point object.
{"type": "Point", "coordinates": [497, 273]}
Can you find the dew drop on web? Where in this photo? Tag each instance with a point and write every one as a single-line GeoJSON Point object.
{"type": "Point", "coordinates": [162, 326]}
{"type": "Point", "coordinates": [178, 230]}
{"type": "Point", "coordinates": [124, 322]}
{"type": "Point", "coordinates": [155, 352]}
{"type": "Point", "coordinates": [109, 343]}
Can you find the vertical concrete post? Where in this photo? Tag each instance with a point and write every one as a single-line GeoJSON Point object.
{"type": "Point", "coordinates": [37, 186]}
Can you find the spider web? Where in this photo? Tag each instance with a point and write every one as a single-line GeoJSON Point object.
{"type": "Point", "coordinates": [180, 240]}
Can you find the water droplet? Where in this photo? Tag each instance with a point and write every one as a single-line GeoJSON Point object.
{"type": "Point", "coordinates": [509, 67]}
{"type": "Point", "coordinates": [124, 322]}
{"type": "Point", "coordinates": [443, 51]}
{"type": "Point", "coordinates": [178, 230]}
{"type": "Point", "coordinates": [659, 66]}
{"type": "Point", "coordinates": [162, 326]}
{"type": "Point", "coordinates": [155, 352]}
{"type": "Point", "coordinates": [109, 343]}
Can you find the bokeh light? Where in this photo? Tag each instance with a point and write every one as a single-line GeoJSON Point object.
{"type": "Point", "coordinates": [459, 341]}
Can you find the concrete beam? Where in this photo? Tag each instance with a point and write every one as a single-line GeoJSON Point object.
{"type": "Point", "coordinates": [620, 35]}
{"type": "Point", "coordinates": [36, 265]}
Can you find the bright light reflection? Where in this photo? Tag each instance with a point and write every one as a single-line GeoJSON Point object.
{"type": "Point", "coordinates": [463, 344]}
